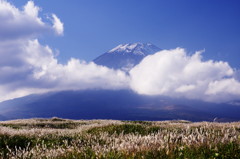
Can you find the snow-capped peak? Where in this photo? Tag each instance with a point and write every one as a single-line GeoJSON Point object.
{"type": "Point", "coordinates": [126, 56]}
{"type": "Point", "coordinates": [135, 48]}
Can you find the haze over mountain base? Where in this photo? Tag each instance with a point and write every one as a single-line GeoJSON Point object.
{"type": "Point", "coordinates": [115, 104]}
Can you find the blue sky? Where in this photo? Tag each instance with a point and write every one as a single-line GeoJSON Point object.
{"type": "Point", "coordinates": [92, 27]}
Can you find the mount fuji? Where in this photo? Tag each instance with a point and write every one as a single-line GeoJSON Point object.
{"type": "Point", "coordinates": [126, 56]}
{"type": "Point", "coordinates": [117, 104]}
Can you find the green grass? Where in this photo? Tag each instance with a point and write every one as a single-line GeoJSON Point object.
{"type": "Point", "coordinates": [138, 122]}
{"type": "Point", "coordinates": [125, 129]}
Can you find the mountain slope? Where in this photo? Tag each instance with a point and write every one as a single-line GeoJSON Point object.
{"type": "Point", "coordinates": [114, 104]}
{"type": "Point", "coordinates": [126, 56]}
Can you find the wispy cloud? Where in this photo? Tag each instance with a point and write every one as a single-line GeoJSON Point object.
{"type": "Point", "coordinates": [57, 25]}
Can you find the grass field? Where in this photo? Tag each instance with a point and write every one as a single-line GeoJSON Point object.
{"type": "Point", "coordinates": [62, 138]}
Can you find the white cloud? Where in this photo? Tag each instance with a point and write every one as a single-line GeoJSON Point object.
{"type": "Point", "coordinates": [75, 74]}
{"type": "Point", "coordinates": [174, 73]}
{"type": "Point", "coordinates": [237, 74]}
{"type": "Point", "coordinates": [185, 88]}
{"type": "Point", "coordinates": [25, 23]}
{"type": "Point", "coordinates": [57, 25]}
{"type": "Point", "coordinates": [38, 71]}
{"type": "Point", "coordinates": [28, 67]}
{"type": "Point", "coordinates": [31, 10]}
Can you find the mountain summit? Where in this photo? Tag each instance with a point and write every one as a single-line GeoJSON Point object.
{"type": "Point", "coordinates": [143, 49]}
{"type": "Point", "coordinates": [126, 56]}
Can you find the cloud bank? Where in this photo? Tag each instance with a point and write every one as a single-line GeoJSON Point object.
{"type": "Point", "coordinates": [174, 73]}
{"type": "Point", "coordinates": [28, 67]}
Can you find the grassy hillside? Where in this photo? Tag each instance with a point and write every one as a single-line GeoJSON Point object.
{"type": "Point", "coordinates": [62, 138]}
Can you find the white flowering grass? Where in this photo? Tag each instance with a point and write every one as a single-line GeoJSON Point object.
{"type": "Point", "coordinates": [62, 138]}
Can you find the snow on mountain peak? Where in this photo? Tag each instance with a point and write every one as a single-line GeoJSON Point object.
{"type": "Point", "coordinates": [126, 56]}
{"type": "Point", "coordinates": [135, 48]}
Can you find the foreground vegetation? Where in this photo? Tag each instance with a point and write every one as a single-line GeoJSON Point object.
{"type": "Point", "coordinates": [62, 138]}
